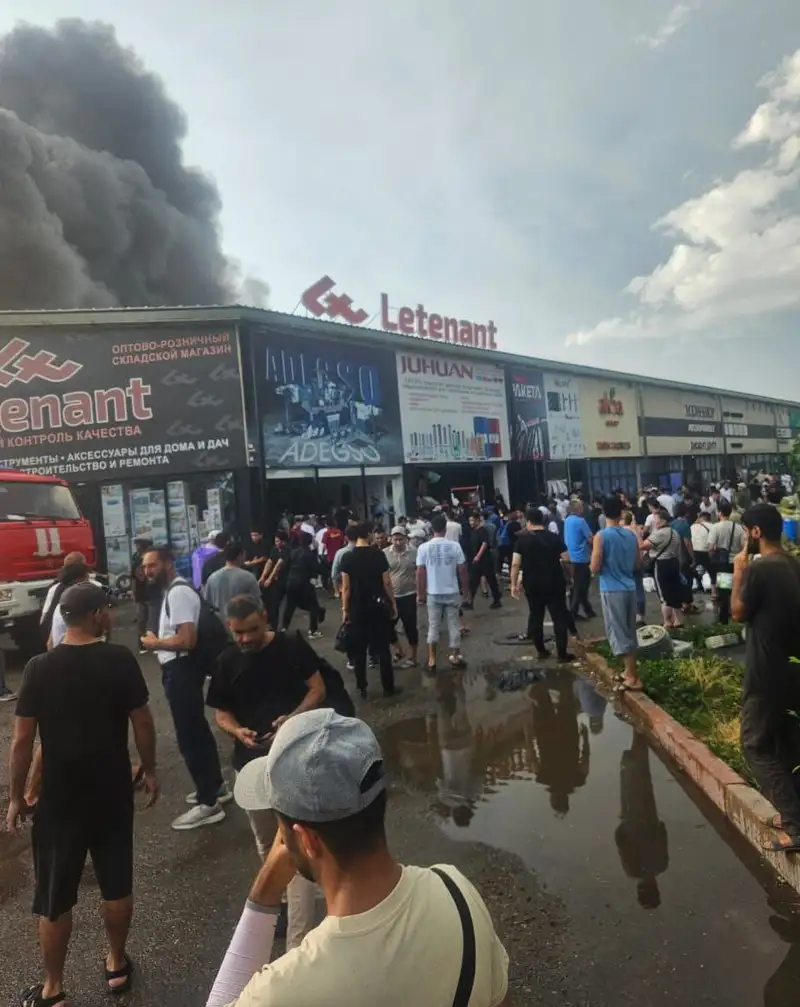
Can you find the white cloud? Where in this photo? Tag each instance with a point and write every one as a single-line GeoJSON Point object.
{"type": "Point", "coordinates": [737, 250]}
{"type": "Point", "coordinates": [672, 23]}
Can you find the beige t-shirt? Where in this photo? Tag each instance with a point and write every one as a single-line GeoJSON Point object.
{"type": "Point", "coordinates": [407, 950]}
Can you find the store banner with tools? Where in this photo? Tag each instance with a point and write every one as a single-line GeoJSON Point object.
{"type": "Point", "coordinates": [118, 403]}
{"type": "Point", "coordinates": [452, 410]}
{"type": "Point", "coordinates": [324, 404]}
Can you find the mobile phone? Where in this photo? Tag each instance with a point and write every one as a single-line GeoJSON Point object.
{"type": "Point", "coordinates": [264, 740]}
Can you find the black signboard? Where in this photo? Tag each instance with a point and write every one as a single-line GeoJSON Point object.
{"type": "Point", "coordinates": [530, 441]}
{"type": "Point", "coordinates": [325, 404]}
{"type": "Point", "coordinates": [120, 403]}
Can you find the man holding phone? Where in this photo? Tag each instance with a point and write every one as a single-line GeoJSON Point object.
{"type": "Point", "coordinates": [260, 683]}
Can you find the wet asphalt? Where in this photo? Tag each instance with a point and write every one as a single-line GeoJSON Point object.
{"type": "Point", "coordinates": [610, 880]}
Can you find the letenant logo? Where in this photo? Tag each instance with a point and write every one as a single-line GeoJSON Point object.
{"type": "Point", "coordinates": [320, 300]}
{"type": "Point", "coordinates": [611, 407]}
{"type": "Point", "coordinates": [17, 365]}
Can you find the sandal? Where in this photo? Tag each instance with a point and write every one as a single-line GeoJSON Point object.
{"type": "Point", "coordinates": [776, 846]}
{"type": "Point", "coordinates": [125, 973]}
{"type": "Point", "coordinates": [624, 687]}
{"type": "Point", "coordinates": [32, 997]}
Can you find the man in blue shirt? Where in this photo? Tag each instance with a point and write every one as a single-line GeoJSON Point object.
{"type": "Point", "coordinates": [578, 538]}
{"type": "Point", "coordinates": [615, 558]}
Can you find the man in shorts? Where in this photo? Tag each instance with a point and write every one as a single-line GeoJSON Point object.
{"type": "Point", "coordinates": [615, 558]}
{"type": "Point", "coordinates": [81, 697]}
{"type": "Point", "coordinates": [441, 574]}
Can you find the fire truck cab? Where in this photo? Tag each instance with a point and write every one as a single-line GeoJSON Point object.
{"type": "Point", "coordinates": [40, 522]}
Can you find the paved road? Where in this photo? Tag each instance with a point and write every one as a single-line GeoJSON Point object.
{"type": "Point", "coordinates": [609, 882]}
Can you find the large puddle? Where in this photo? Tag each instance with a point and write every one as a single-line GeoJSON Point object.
{"type": "Point", "coordinates": [546, 770]}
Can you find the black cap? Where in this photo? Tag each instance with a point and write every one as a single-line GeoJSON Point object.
{"type": "Point", "coordinates": [81, 599]}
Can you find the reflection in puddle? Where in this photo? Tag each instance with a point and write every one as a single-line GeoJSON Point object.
{"type": "Point", "coordinates": [491, 727]}
{"type": "Point", "coordinates": [641, 837]}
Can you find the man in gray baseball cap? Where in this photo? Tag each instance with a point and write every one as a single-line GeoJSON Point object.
{"type": "Point", "coordinates": [393, 933]}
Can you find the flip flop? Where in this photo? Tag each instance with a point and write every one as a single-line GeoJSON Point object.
{"type": "Point", "coordinates": [32, 997]}
{"type": "Point", "coordinates": [125, 973]}
{"type": "Point", "coordinates": [776, 846]}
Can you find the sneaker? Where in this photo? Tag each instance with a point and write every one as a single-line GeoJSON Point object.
{"type": "Point", "coordinates": [7, 696]}
{"type": "Point", "coordinates": [315, 635]}
{"type": "Point", "coordinates": [225, 794]}
{"type": "Point", "coordinates": [199, 815]}
{"type": "Point", "coordinates": [496, 604]}
{"type": "Point", "coordinates": [565, 658]}
{"type": "Point", "coordinates": [351, 666]}
{"type": "Point", "coordinates": [391, 693]}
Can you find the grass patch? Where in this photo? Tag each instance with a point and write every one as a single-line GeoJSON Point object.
{"type": "Point", "coordinates": [703, 693]}
{"type": "Point", "coordinates": [698, 634]}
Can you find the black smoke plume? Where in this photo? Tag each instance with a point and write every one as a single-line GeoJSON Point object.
{"type": "Point", "coordinates": [97, 207]}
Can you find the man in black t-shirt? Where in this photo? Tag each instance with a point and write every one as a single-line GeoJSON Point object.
{"type": "Point", "coordinates": [258, 685]}
{"type": "Point", "coordinates": [482, 563]}
{"type": "Point", "coordinates": [538, 555]}
{"type": "Point", "coordinates": [369, 609]}
{"type": "Point", "coordinates": [256, 553]}
{"type": "Point", "coordinates": [273, 579]}
{"type": "Point", "coordinates": [80, 696]}
{"type": "Point", "coordinates": [766, 596]}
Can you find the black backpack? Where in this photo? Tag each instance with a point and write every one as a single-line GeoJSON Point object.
{"type": "Point", "coordinates": [212, 636]}
{"type": "Point", "coordinates": [337, 698]}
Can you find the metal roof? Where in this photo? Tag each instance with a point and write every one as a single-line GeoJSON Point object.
{"type": "Point", "coordinates": [238, 314]}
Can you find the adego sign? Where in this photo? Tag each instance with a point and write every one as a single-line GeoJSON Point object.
{"type": "Point", "coordinates": [321, 300]}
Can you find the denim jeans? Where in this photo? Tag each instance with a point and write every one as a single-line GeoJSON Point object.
{"type": "Point", "coordinates": [447, 605]}
{"type": "Point", "coordinates": [183, 687]}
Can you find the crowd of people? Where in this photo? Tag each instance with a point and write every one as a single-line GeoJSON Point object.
{"type": "Point", "coordinates": [309, 774]}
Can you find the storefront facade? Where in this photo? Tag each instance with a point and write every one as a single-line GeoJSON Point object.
{"type": "Point", "coordinates": [173, 423]}
{"type": "Point", "coordinates": [147, 424]}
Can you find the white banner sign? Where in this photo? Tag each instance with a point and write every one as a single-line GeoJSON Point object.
{"type": "Point", "coordinates": [451, 410]}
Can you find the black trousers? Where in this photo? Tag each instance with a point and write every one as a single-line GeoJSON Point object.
{"type": "Point", "coordinates": [771, 745]}
{"type": "Point", "coordinates": [407, 614]}
{"type": "Point", "coordinates": [301, 596]}
{"type": "Point", "coordinates": [555, 603]}
{"type": "Point", "coordinates": [372, 633]}
{"type": "Point", "coordinates": [475, 574]}
{"type": "Point", "coordinates": [183, 687]}
{"type": "Point", "coordinates": [579, 596]}
{"type": "Point", "coordinates": [273, 599]}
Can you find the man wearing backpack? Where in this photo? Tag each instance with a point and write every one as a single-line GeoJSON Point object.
{"type": "Point", "coordinates": [190, 637]}
{"type": "Point", "coordinates": [259, 684]}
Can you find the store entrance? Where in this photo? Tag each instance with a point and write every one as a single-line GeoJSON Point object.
{"type": "Point", "coordinates": [427, 486]}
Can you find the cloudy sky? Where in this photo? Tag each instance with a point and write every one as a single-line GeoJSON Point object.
{"type": "Point", "coordinates": [613, 183]}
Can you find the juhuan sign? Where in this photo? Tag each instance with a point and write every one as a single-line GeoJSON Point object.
{"type": "Point", "coordinates": [97, 405]}
{"type": "Point", "coordinates": [320, 300]}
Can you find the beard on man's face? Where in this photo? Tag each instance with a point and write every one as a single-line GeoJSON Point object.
{"type": "Point", "coordinates": [301, 861]}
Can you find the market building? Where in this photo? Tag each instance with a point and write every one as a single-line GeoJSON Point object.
{"type": "Point", "coordinates": [171, 422]}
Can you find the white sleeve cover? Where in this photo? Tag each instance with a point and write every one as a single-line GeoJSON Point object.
{"type": "Point", "coordinates": [249, 951]}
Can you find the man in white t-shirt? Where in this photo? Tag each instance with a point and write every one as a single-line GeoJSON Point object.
{"type": "Point", "coordinates": [393, 934]}
{"type": "Point", "coordinates": [667, 502]}
{"type": "Point", "coordinates": [184, 681]}
{"type": "Point", "coordinates": [453, 530]}
{"type": "Point", "coordinates": [441, 574]}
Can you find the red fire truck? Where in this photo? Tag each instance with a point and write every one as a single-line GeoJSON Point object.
{"type": "Point", "coordinates": [40, 522]}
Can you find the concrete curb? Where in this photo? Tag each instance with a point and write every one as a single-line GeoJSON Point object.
{"type": "Point", "coordinates": [745, 808]}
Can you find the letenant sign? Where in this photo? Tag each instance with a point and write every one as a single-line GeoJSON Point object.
{"type": "Point", "coordinates": [321, 300]}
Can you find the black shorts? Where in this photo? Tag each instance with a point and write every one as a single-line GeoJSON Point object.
{"type": "Point", "coordinates": [60, 845]}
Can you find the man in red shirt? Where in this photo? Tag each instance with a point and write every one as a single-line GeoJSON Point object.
{"type": "Point", "coordinates": [332, 542]}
